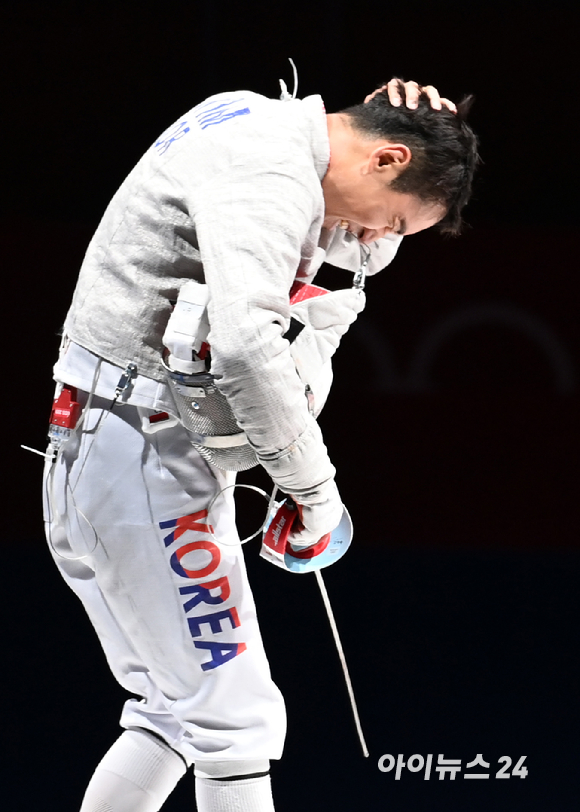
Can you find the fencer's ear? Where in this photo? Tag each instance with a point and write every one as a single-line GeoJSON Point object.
{"type": "Point", "coordinates": [387, 156]}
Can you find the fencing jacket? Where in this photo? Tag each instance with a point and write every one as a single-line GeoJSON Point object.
{"type": "Point", "coordinates": [231, 195]}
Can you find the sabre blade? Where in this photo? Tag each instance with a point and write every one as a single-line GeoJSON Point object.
{"type": "Point", "coordinates": [333, 626]}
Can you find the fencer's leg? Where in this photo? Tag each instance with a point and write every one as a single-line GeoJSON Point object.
{"type": "Point", "coordinates": [230, 786]}
{"type": "Point", "coordinates": [243, 795]}
{"type": "Point", "coordinates": [136, 775]}
{"type": "Point", "coordinates": [133, 540]}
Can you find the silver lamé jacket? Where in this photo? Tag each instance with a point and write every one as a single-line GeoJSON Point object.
{"type": "Point", "coordinates": [231, 195]}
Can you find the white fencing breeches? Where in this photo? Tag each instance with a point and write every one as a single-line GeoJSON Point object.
{"type": "Point", "coordinates": [128, 527]}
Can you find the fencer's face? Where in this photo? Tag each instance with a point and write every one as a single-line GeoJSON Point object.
{"type": "Point", "coordinates": [358, 190]}
{"type": "Point", "coordinates": [374, 213]}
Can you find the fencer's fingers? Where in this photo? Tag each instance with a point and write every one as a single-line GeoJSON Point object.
{"type": "Point", "coordinates": [437, 103]}
{"type": "Point", "coordinates": [412, 93]}
{"type": "Point", "coordinates": [392, 88]}
{"type": "Point", "coordinates": [449, 105]}
{"type": "Point", "coordinates": [393, 92]}
{"type": "Point", "coordinates": [374, 93]}
{"type": "Point", "coordinates": [433, 95]}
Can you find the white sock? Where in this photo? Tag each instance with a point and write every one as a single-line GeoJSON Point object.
{"type": "Point", "coordinates": [241, 795]}
{"type": "Point", "coordinates": [136, 775]}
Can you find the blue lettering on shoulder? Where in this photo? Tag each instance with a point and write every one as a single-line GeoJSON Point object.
{"type": "Point", "coordinates": [175, 132]}
{"type": "Point", "coordinates": [211, 113]}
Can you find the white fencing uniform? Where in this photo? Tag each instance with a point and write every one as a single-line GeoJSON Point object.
{"type": "Point", "coordinates": [229, 195]}
{"type": "Point", "coordinates": [172, 608]}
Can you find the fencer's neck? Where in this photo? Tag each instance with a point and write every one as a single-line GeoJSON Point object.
{"type": "Point", "coordinates": [344, 149]}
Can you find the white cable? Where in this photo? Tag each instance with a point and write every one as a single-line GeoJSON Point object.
{"type": "Point", "coordinates": [260, 528]}
{"type": "Point", "coordinates": [285, 95]}
{"type": "Point", "coordinates": [35, 451]}
{"type": "Point", "coordinates": [295, 72]}
{"type": "Point", "coordinates": [342, 658]}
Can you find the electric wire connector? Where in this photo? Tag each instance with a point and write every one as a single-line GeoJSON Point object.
{"type": "Point", "coordinates": [64, 416]}
{"type": "Point", "coordinates": [124, 382]}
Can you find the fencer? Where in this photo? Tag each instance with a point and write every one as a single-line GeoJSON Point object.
{"type": "Point", "coordinates": [246, 196]}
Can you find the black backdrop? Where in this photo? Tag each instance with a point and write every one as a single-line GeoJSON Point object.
{"type": "Point", "coordinates": [453, 421]}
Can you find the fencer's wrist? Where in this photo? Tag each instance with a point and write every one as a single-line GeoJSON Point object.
{"type": "Point", "coordinates": [325, 493]}
{"type": "Point", "coordinates": [303, 467]}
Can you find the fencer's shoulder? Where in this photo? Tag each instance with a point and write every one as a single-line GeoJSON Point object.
{"type": "Point", "coordinates": [219, 104]}
{"type": "Point", "coordinates": [243, 122]}
{"type": "Point", "coordinates": [225, 98]}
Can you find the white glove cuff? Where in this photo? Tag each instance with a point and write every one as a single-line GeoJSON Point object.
{"type": "Point", "coordinates": [303, 467]}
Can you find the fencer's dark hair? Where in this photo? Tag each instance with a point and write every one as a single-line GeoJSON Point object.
{"type": "Point", "coordinates": [443, 147]}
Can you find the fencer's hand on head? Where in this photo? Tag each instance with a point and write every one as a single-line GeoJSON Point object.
{"type": "Point", "coordinates": [412, 92]}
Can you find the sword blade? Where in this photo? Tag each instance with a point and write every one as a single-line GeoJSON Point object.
{"type": "Point", "coordinates": [333, 626]}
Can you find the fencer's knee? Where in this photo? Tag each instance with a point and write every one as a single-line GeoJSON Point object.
{"type": "Point", "coordinates": [160, 741]}
{"type": "Point", "coordinates": [232, 770]}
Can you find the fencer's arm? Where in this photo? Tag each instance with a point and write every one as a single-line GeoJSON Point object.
{"type": "Point", "coordinates": [251, 228]}
{"type": "Point", "coordinates": [251, 225]}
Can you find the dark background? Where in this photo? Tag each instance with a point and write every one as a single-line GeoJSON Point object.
{"type": "Point", "coordinates": [453, 421]}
